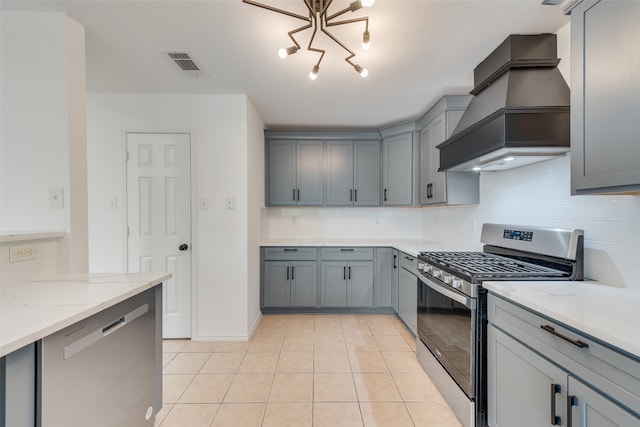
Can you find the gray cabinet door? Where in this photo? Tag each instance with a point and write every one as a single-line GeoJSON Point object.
{"type": "Point", "coordinates": [408, 300]}
{"type": "Point", "coordinates": [366, 173]}
{"type": "Point", "coordinates": [339, 173]}
{"type": "Point", "coordinates": [310, 172]}
{"type": "Point", "coordinates": [397, 170]}
{"type": "Point", "coordinates": [395, 279]}
{"type": "Point", "coordinates": [304, 279]}
{"type": "Point", "coordinates": [383, 278]}
{"type": "Point", "coordinates": [277, 286]}
{"type": "Point", "coordinates": [18, 385]}
{"type": "Point", "coordinates": [282, 173]}
{"type": "Point", "coordinates": [522, 382]}
{"type": "Point", "coordinates": [427, 163]}
{"type": "Point", "coordinates": [438, 135]}
{"type": "Point", "coordinates": [360, 284]}
{"type": "Point", "coordinates": [592, 409]}
{"type": "Point", "coordinates": [605, 97]}
{"type": "Point", "coordinates": [333, 284]}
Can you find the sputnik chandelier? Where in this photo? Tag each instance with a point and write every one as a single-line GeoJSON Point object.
{"type": "Point", "coordinates": [320, 20]}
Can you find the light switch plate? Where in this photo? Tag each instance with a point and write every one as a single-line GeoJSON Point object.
{"type": "Point", "coordinates": [229, 203]}
{"type": "Point", "coordinates": [56, 197]}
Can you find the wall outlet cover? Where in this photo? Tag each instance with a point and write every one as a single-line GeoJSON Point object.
{"type": "Point", "coordinates": [22, 253]}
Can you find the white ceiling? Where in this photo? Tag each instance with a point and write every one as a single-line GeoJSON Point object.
{"type": "Point", "coordinates": [420, 50]}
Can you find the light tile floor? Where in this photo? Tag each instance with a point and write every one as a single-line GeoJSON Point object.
{"type": "Point", "coordinates": [303, 370]}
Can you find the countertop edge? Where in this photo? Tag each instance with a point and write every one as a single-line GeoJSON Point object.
{"type": "Point", "coordinates": [17, 343]}
{"type": "Point", "coordinates": [592, 292]}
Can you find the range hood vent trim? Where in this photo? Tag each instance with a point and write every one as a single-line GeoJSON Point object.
{"type": "Point", "coordinates": [521, 103]}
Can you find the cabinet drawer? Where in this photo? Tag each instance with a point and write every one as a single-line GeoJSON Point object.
{"type": "Point", "coordinates": [616, 373]}
{"type": "Point", "coordinates": [409, 262]}
{"type": "Point", "coordinates": [290, 254]}
{"type": "Point", "coordinates": [347, 254]}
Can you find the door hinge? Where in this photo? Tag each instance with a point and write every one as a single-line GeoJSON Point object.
{"type": "Point", "coordinates": [128, 232]}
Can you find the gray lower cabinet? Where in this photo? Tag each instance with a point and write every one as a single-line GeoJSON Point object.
{"type": "Point", "coordinates": [397, 170]}
{"type": "Point", "coordinates": [290, 283]}
{"type": "Point", "coordinates": [352, 175]}
{"type": "Point", "coordinates": [437, 125]}
{"type": "Point", "coordinates": [383, 278]}
{"type": "Point", "coordinates": [605, 96]}
{"type": "Point", "coordinates": [408, 292]}
{"type": "Point", "coordinates": [18, 388]}
{"type": "Point", "coordinates": [346, 284]}
{"type": "Point", "coordinates": [395, 278]}
{"type": "Point", "coordinates": [555, 375]}
{"type": "Point", "coordinates": [294, 173]}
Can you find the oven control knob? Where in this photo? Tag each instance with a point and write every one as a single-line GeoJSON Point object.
{"type": "Point", "coordinates": [420, 266]}
{"type": "Point", "coordinates": [427, 268]}
{"type": "Point", "coordinates": [436, 273]}
{"type": "Point", "coordinates": [447, 279]}
{"type": "Point", "coordinates": [457, 283]}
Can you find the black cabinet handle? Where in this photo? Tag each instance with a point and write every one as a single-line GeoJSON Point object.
{"type": "Point", "coordinates": [555, 419]}
{"type": "Point", "coordinates": [395, 258]}
{"type": "Point", "coordinates": [344, 273]}
{"type": "Point", "coordinates": [385, 194]}
{"type": "Point", "coordinates": [292, 270]}
{"type": "Point", "coordinates": [294, 195]}
{"type": "Point", "coordinates": [355, 195]}
{"type": "Point", "coordinates": [346, 250]}
{"type": "Point", "coordinates": [409, 258]}
{"type": "Point", "coordinates": [287, 273]}
{"type": "Point", "coordinates": [351, 195]}
{"type": "Point", "coordinates": [349, 272]}
{"type": "Point", "coordinates": [577, 343]}
{"type": "Point", "coordinates": [571, 402]}
{"type": "Point", "coordinates": [298, 194]}
{"type": "Point", "coordinates": [290, 249]}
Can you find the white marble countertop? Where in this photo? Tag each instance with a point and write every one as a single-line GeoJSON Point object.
{"type": "Point", "coordinates": [32, 310]}
{"type": "Point", "coordinates": [408, 246]}
{"type": "Point", "coordinates": [605, 312]}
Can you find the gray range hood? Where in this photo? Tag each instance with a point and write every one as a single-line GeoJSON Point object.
{"type": "Point", "coordinates": [520, 112]}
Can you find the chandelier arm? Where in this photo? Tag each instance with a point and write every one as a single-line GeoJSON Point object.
{"type": "Point", "coordinates": [348, 58]}
{"type": "Point", "coordinates": [313, 36]}
{"type": "Point", "coordinates": [297, 30]}
{"type": "Point", "coordinates": [326, 7]}
{"type": "Point", "coordinates": [335, 15]}
{"type": "Point", "coordinates": [350, 21]}
{"type": "Point", "coordinates": [275, 9]}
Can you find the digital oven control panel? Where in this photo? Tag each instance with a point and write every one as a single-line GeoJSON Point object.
{"type": "Point", "coordinates": [518, 235]}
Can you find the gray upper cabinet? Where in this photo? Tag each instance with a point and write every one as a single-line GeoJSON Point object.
{"type": "Point", "coordinates": [397, 170]}
{"type": "Point", "coordinates": [295, 172]}
{"type": "Point", "coordinates": [352, 175]}
{"type": "Point", "coordinates": [437, 125]}
{"type": "Point", "coordinates": [605, 96]}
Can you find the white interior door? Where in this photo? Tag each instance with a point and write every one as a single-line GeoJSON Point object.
{"type": "Point", "coordinates": [159, 219]}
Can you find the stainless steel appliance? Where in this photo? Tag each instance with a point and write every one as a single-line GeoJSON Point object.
{"type": "Point", "coordinates": [105, 370]}
{"type": "Point", "coordinates": [452, 303]}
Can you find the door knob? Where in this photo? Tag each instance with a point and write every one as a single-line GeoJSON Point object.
{"type": "Point", "coordinates": [183, 247]}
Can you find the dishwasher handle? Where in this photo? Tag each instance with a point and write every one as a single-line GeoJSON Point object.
{"type": "Point", "coordinates": [103, 331]}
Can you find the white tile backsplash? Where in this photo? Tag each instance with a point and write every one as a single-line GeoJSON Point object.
{"type": "Point", "coordinates": [538, 194]}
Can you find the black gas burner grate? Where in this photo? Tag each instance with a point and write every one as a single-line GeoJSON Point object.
{"type": "Point", "coordinates": [481, 264]}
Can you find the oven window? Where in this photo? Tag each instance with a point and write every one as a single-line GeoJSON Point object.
{"type": "Point", "coordinates": [445, 327]}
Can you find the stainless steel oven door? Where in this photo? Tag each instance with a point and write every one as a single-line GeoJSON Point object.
{"type": "Point", "coordinates": [446, 325]}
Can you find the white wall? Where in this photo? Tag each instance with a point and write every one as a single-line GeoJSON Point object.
{"type": "Point", "coordinates": [43, 129]}
{"type": "Point", "coordinates": [224, 129]}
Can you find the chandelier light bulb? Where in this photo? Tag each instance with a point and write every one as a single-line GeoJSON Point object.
{"type": "Point", "coordinates": [364, 72]}
{"type": "Point", "coordinates": [282, 53]}
{"type": "Point", "coordinates": [314, 73]}
{"type": "Point", "coordinates": [366, 42]}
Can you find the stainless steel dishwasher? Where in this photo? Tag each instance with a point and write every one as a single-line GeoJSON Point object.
{"type": "Point", "coordinates": [105, 370]}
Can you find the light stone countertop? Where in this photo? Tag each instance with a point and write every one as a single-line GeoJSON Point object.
{"type": "Point", "coordinates": [32, 310]}
{"type": "Point", "coordinates": [607, 313]}
{"type": "Point", "coordinates": [408, 246]}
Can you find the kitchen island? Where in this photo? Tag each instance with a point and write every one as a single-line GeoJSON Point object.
{"type": "Point", "coordinates": [575, 345]}
{"type": "Point", "coordinates": [97, 330]}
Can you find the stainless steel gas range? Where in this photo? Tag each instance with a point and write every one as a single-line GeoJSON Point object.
{"type": "Point", "coordinates": [452, 313]}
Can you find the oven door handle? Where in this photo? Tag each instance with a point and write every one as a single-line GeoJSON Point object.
{"type": "Point", "coordinates": [467, 302]}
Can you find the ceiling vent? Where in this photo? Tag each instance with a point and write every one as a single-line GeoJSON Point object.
{"type": "Point", "coordinates": [184, 61]}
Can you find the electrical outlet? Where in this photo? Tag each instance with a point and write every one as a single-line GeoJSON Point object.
{"type": "Point", "coordinates": [22, 253]}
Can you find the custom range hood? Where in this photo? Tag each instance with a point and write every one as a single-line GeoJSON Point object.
{"type": "Point", "coordinates": [519, 113]}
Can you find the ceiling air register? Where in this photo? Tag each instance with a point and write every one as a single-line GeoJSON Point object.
{"type": "Point", "coordinates": [320, 19]}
